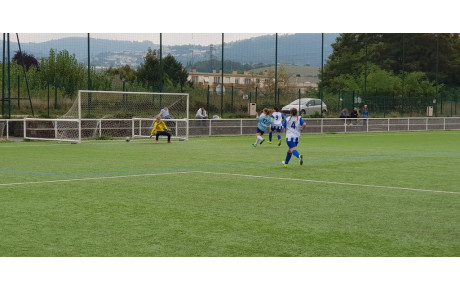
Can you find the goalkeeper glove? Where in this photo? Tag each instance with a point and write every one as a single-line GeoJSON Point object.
{"type": "Point", "coordinates": [150, 136]}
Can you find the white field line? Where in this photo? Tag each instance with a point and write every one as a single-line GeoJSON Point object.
{"type": "Point", "coordinates": [66, 143]}
{"type": "Point", "coordinates": [230, 174]}
{"type": "Point", "coordinates": [91, 179]}
{"type": "Point", "coordinates": [333, 183]}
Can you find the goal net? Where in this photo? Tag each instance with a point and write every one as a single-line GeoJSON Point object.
{"type": "Point", "coordinates": [178, 128]}
{"type": "Point", "coordinates": [2, 126]}
{"type": "Point", "coordinates": [52, 129]}
{"type": "Point", "coordinates": [117, 114]}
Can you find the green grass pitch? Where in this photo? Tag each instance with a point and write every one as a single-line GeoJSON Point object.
{"type": "Point", "coordinates": [357, 195]}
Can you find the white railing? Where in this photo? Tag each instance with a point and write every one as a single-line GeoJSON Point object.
{"type": "Point", "coordinates": [6, 132]}
{"type": "Point", "coordinates": [349, 125]}
{"type": "Point", "coordinates": [232, 127]}
{"type": "Point", "coordinates": [225, 127]}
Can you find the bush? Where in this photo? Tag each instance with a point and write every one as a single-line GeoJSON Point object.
{"type": "Point", "coordinates": [315, 115]}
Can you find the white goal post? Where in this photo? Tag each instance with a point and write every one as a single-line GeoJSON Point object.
{"type": "Point", "coordinates": [117, 114]}
{"type": "Point", "coordinates": [52, 129]}
{"type": "Point", "coordinates": [178, 128]}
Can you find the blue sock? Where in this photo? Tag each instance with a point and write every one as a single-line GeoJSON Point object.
{"type": "Point", "coordinates": [288, 158]}
{"type": "Point", "coordinates": [296, 153]}
{"type": "Point", "coordinates": [279, 137]}
{"type": "Point", "coordinates": [270, 136]}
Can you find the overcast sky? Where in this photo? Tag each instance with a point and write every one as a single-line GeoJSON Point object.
{"type": "Point", "coordinates": [136, 17]}
{"type": "Point", "coordinates": [167, 38]}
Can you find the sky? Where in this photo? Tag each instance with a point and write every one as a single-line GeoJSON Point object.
{"type": "Point", "coordinates": [245, 18]}
{"type": "Point", "coordinates": [174, 38]}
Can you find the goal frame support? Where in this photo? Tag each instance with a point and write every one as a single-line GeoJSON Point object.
{"type": "Point", "coordinates": [55, 129]}
{"type": "Point", "coordinates": [187, 110]}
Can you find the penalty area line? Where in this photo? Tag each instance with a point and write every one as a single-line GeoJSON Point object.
{"type": "Point", "coordinates": [94, 178]}
{"type": "Point", "coordinates": [334, 183]}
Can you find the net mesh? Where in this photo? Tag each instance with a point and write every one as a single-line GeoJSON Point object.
{"type": "Point", "coordinates": [2, 127]}
{"type": "Point", "coordinates": [125, 105]}
{"type": "Point", "coordinates": [178, 128]}
{"type": "Point", "coordinates": [117, 114]}
{"type": "Point", "coordinates": [52, 129]}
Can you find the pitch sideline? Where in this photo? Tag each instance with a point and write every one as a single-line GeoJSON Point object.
{"type": "Point", "coordinates": [229, 174]}
{"type": "Point", "coordinates": [333, 183]}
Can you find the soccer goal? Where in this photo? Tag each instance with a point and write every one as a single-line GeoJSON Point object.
{"type": "Point", "coordinates": [178, 128]}
{"type": "Point", "coordinates": [116, 114]}
{"type": "Point", "coordinates": [52, 129]}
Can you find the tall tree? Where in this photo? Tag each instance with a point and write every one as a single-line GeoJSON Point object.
{"type": "Point", "coordinates": [26, 60]}
{"type": "Point", "coordinates": [149, 72]}
{"type": "Point", "coordinates": [63, 71]}
{"type": "Point", "coordinates": [174, 71]}
{"type": "Point", "coordinates": [125, 73]}
{"type": "Point", "coordinates": [436, 55]}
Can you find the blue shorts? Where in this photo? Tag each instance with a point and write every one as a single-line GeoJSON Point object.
{"type": "Point", "coordinates": [260, 131]}
{"type": "Point", "coordinates": [277, 128]}
{"type": "Point", "coordinates": [291, 144]}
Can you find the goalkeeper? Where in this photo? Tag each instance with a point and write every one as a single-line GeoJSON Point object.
{"type": "Point", "coordinates": [160, 128]}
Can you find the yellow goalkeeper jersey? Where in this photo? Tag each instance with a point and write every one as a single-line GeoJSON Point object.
{"type": "Point", "coordinates": [158, 126]}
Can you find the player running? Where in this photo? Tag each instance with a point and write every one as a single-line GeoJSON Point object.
{"type": "Point", "coordinates": [294, 125]}
{"type": "Point", "coordinates": [277, 125]}
{"type": "Point", "coordinates": [264, 121]}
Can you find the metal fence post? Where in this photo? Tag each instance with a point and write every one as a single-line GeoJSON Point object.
{"type": "Point", "coordinates": [233, 108]}
{"type": "Point", "coordinates": [207, 101]}
{"type": "Point", "coordinates": [210, 127]}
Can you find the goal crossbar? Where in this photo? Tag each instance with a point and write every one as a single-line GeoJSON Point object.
{"type": "Point", "coordinates": [112, 113]}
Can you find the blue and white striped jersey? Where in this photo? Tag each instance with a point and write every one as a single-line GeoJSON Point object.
{"type": "Point", "coordinates": [277, 118]}
{"type": "Point", "coordinates": [293, 125]}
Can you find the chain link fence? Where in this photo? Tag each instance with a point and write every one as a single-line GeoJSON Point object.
{"type": "Point", "coordinates": [226, 72]}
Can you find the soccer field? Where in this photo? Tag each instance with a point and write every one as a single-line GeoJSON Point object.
{"type": "Point", "coordinates": [357, 195]}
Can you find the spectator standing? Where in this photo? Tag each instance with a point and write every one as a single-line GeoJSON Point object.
{"type": "Point", "coordinates": [365, 112]}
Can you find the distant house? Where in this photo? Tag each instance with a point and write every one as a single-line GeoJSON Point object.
{"type": "Point", "coordinates": [302, 83]}
{"type": "Point", "coordinates": [242, 81]}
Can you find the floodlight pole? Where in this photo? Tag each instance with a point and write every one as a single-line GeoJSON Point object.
{"type": "Point", "coordinates": [276, 67]}
{"type": "Point", "coordinates": [161, 63]}
{"type": "Point", "coordinates": [403, 64]}
{"type": "Point", "coordinates": [222, 81]}
{"type": "Point", "coordinates": [3, 76]}
{"type": "Point", "coordinates": [90, 99]}
{"type": "Point", "coordinates": [437, 70]}
{"type": "Point", "coordinates": [365, 68]}
{"type": "Point", "coordinates": [9, 76]}
{"type": "Point", "coordinates": [322, 64]}
{"type": "Point", "coordinates": [89, 66]}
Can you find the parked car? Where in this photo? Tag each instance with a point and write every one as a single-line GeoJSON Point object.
{"type": "Point", "coordinates": [308, 106]}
